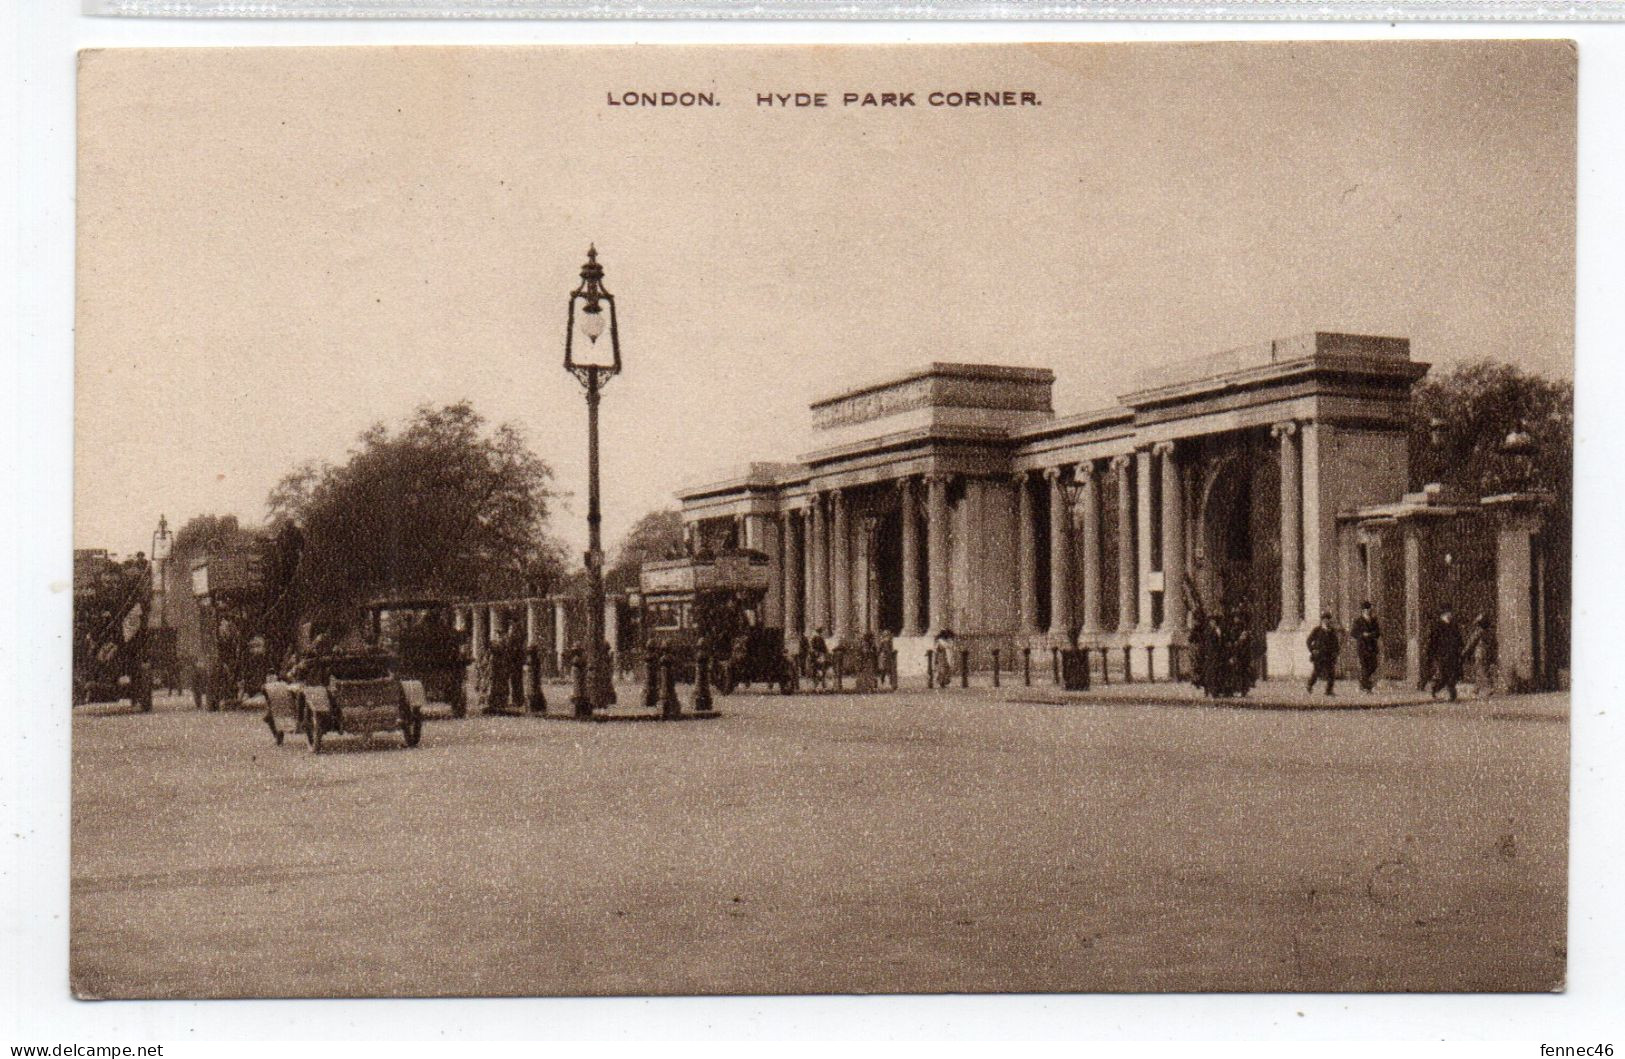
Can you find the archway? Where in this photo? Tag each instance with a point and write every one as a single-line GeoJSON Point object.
{"type": "Point", "coordinates": [1235, 560]}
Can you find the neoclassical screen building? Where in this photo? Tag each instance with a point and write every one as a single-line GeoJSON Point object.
{"type": "Point", "coordinates": [1271, 478]}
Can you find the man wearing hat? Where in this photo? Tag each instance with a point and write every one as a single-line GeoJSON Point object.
{"type": "Point", "coordinates": [1323, 647]}
{"type": "Point", "coordinates": [1367, 635]}
{"type": "Point", "coordinates": [1444, 653]}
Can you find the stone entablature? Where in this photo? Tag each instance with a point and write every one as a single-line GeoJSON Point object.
{"type": "Point", "coordinates": [989, 419]}
{"type": "Point", "coordinates": [989, 387]}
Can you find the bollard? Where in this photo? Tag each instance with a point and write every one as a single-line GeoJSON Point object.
{"type": "Point", "coordinates": [964, 668]}
{"type": "Point", "coordinates": [651, 679]}
{"type": "Point", "coordinates": [670, 708]}
{"type": "Point", "coordinates": [995, 667]}
{"type": "Point", "coordinates": [702, 684]}
{"type": "Point", "coordinates": [578, 676]}
{"type": "Point", "coordinates": [1027, 666]}
{"type": "Point", "coordinates": [930, 669]}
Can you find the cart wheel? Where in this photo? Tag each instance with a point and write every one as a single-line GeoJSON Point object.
{"type": "Point", "coordinates": [313, 733]}
{"type": "Point", "coordinates": [412, 730]}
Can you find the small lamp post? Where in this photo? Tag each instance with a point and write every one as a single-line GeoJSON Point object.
{"type": "Point", "coordinates": [1519, 445]}
{"type": "Point", "coordinates": [591, 308]}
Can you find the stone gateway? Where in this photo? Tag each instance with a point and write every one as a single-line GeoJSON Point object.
{"type": "Point", "coordinates": [1269, 482]}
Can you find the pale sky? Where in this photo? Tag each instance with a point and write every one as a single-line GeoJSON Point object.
{"type": "Point", "coordinates": [279, 247]}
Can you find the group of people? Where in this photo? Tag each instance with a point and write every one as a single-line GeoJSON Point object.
{"type": "Point", "coordinates": [1223, 652]}
{"type": "Point", "coordinates": [1446, 653]}
{"type": "Point", "coordinates": [869, 662]}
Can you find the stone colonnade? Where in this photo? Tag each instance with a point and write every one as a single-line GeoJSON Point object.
{"type": "Point", "coordinates": [547, 624]}
{"type": "Point", "coordinates": [817, 571]}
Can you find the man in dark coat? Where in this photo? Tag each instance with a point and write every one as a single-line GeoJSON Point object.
{"type": "Point", "coordinates": [1367, 636]}
{"type": "Point", "coordinates": [1323, 648]}
{"type": "Point", "coordinates": [1444, 649]}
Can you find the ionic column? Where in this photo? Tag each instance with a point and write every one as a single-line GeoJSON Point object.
{"type": "Point", "coordinates": [936, 550]}
{"type": "Point", "coordinates": [1027, 555]}
{"type": "Point", "coordinates": [478, 618]}
{"type": "Point", "coordinates": [1173, 541]}
{"type": "Point", "coordinates": [809, 571]}
{"type": "Point", "coordinates": [1144, 483]}
{"type": "Point", "coordinates": [1089, 485]}
{"type": "Point", "coordinates": [1127, 600]}
{"type": "Point", "coordinates": [1060, 557]}
{"type": "Point", "coordinates": [764, 531]}
{"type": "Point", "coordinates": [840, 578]}
{"type": "Point", "coordinates": [909, 515]}
{"type": "Point", "coordinates": [820, 565]}
{"type": "Point", "coordinates": [792, 574]}
{"type": "Point", "coordinates": [1291, 527]}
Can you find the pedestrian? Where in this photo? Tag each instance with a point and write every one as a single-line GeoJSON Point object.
{"type": "Point", "coordinates": [1238, 640]}
{"type": "Point", "coordinates": [1480, 651]}
{"type": "Point", "coordinates": [1196, 644]}
{"type": "Point", "coordinates": [943, 665]}
{"type": "Point", "coordinates": [818, 657]}
{"type": "Point", "coordinates": [868, 658]}
{"type": "Point", "coordinates": [1367, 636]}
{"type": "Point", "coordinates": [1323, 648]}
{"type": "Point", "coordinates": [1444, 651]}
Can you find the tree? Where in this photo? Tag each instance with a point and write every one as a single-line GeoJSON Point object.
{"type": "Point", "coordinates": [1461, 419]}
{"type": "Point", "coordinates": [440, 505]}
{"type": "Point", "coordinates": [657, 535]}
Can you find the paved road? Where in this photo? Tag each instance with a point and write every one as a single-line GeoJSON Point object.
{"type": "Point", "coordinates": [908, 842]}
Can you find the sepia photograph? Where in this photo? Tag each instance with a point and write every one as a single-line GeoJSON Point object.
{"type": "Point", "coordinates": [851, 519]}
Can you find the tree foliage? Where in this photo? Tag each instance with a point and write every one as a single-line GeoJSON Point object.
{"type": "Point", "coordinates": [442, 505]}
{"type": "Point", "coordinates": [1460, 421]}
{"type": "Point", "coordinates": [201, 535]}
{"type": "Point", "coordinates": [657, 535]}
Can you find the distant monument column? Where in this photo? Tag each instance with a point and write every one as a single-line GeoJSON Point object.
{"type": "Point", "coordinates": [1027, 555]}
{"type": "Point", "coordinates": [820, 565]}
{"type": "Point", "coordinates": [1127, 600]}
{"type": "Point", "coordinates": [1291, 527]}
{"type": "Point", "coordinates": [936, 549]}
{"type": "Point", "coordinates": [1060, 557]}
{"type": "Point", "coordinates": [909, 516]}
{"type": "Point", "coordinates": [1173, 541]}
{"type": "Point", "coordinates": [1089, 484]}
{"type": "Point", "coordinates": [791, 550]}
{"type": "Point", "coordinates": [840, 578]}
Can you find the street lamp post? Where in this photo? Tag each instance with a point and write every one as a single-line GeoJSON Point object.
{"type": "Point", "coordinates": [593, 370]}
